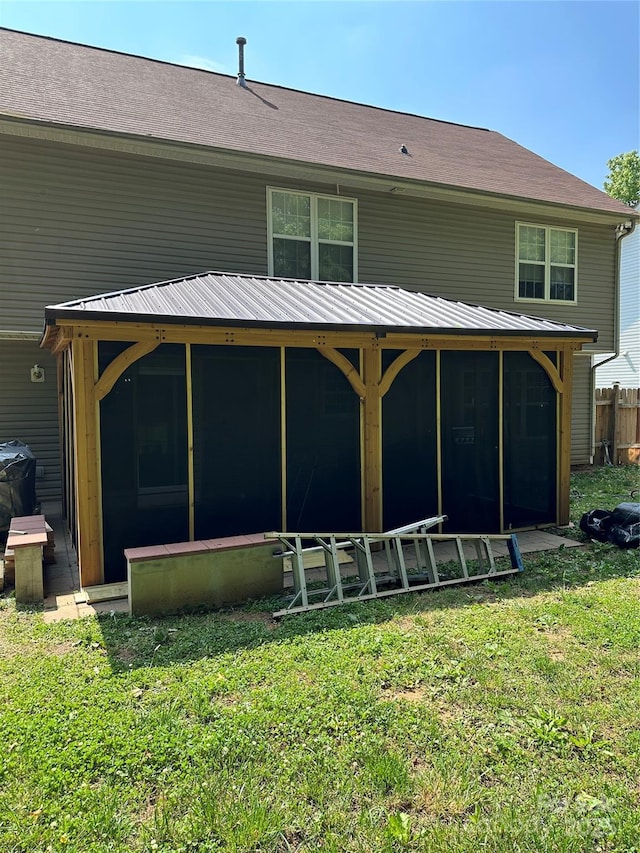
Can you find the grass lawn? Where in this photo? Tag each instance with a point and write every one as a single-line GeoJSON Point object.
{"type": "Point", "coordinates": [493, 717]}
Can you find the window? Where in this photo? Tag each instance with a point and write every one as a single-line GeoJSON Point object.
{"type": "Point", "coordinates": [311, 236]}
{"type": "Point", "coordinates": [546, 263]}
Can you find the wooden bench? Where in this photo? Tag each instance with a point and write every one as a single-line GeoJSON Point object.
{"type": "Point", "coordinates": [30, 537]}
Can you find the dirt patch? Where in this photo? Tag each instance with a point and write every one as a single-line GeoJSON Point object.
{"type": "Point", "coordinates": [417, 694]}
{"type": "Point", "coordinates": [126, 654]}
{"type": "Point", "coordinates": [559, 638]}
{"type": "Point", "coordinates": [245, 617]}
{"type": "Point", "coordinates": [60, 649]}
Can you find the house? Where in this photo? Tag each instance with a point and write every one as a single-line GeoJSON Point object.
{"type": "Point", "coordinates": [625, 367]}
{"type": "Point", "coordinates": [267, 308]}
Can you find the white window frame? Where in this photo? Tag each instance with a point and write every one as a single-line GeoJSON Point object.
{"type": "Point", "coordinates": [313, 239]}
{"type": "Point", "coordinates": [547, 265]}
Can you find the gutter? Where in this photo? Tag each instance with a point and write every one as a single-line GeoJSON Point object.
{"type": "Point", "coordinates": [624, 229]}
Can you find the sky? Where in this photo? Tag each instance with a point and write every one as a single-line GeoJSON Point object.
{"type": "Point", "coordinates": [561, 78]}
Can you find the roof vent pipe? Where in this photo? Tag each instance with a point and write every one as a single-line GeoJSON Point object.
{"type": "Point", "coordinates": [241, 41]}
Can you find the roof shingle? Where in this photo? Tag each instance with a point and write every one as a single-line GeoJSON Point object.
{"type": "Point", "coordinates": [61, 83]}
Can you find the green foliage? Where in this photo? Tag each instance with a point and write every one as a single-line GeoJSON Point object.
{"type": "Point", "coordinates": [623, 180]}
{"type": "Point", "coordinates": [495, 717]}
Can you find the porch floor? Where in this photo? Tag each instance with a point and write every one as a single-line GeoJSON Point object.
{"type": "Point", "coordinates": [62, 580]}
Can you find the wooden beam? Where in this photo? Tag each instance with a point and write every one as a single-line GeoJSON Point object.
{"type": "Point", "coordinates": [120, 363]}
{"type": "Point", "coordinates": [501, 438]}
{"type": "Point", "coordinates": [439, 432]}
{"type": "Point", "coordinates": [87, 464]}
{"type": "Point", "coordinates": [190, 465]}
{"type": "Point", "coordinates": [564, 462]}
{"type": "Point", "coordinates": [57, 341]}
{"type": "Point", "coordinates": [346, 368]}
{"type": "Point", "coordinates": [276, 337]}
{"type": "Point", "coordinates": [549, 368]}
{"type": "Point", "coordinates": [283, 436]}
{"type": "Point", "coordinates": [372, 415]}
{"type": "Point", "coordinates": [395, 367]}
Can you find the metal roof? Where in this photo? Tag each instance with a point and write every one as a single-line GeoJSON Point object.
{"type": "Point", "coordinates": [46, 80]}
{"type": "Point", "coordinates": [223, 299]}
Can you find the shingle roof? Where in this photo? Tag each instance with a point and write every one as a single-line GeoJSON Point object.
{"type": "Point", "coordinates": [220, 299]}
{"type": "Point", "coordinates": [51, 81]}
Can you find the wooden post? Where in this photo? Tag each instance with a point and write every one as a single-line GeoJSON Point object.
{"type": "Point", "coordinates": [87, 464]}
{"type": "Point", "coordinates": [564, 448]}
{"type": "Point", "coordinates": [615, 426]}
{"type": "Point", "coordinates": [27, 549]}
{"type": "Point", "coordinates": [372, 410]}
{"type": "Point", "coordinates": [190, 444]}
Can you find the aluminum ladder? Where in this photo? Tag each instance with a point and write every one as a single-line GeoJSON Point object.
{"type": "Point", "coordinates": [401, 546]}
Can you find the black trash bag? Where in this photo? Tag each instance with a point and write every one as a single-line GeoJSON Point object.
{"type": "Point", "coordinates": [596, 523]}
{"type": "Point", "coordinates": [17, 482]}
{"type": "Point", "coordinates": [624, 530]}
{"type": "Point", "coordinates": [625, 514]}
{"type": "Point", "coordinates": [621, 527]}
{"type": "Point", "coordinates": [625, 537]}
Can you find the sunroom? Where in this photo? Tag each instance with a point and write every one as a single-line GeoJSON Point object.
{"type": "Point", "coordinates": [223, 404]}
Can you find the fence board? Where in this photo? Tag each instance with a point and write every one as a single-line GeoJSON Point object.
{"type": "Point", "coordinates": [617, 425]}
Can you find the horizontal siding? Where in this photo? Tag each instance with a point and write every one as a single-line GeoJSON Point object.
{"type": "Point", "coordinates": [78, 222]}
{"type": "Point", "coordinates": [581, 412]}
{"type": "Point", "coordinates": [625, 370]}
{"type": "Point", "coordinates": [29, 410]}
{"type": "Point", "coordinates": [630, 280]}
{"type": "Point", "coordinates": [470, 255]}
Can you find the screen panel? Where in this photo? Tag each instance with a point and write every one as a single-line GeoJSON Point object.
{"type": "Point", "coordinates": [470, 437]}
{"type": "Point", "coordinates": [530, 442]}
{"type": "Point", "coordinates": [409, 442]}
{"type": "Point", "coordinates": [143, 442]}
{"type": "Point", "coordinates": [237, 448]}
{"type": "Point", "coordinates": [323, 444]}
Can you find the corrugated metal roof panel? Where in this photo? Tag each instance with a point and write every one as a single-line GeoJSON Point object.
{"type": "Point", "coordinates": [216, 298]}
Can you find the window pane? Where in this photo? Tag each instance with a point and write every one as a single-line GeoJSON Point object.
{"type": "Point", "coordinates": [336, 262]}
{"type": "Point", "coordinates": [562, 283]}
{"type": "Point", "coordinates": [531, 243]}
{"type": "Point", "coordinates": [291, 214]}
{"type": "Point", "coordinates": [531, 281]}
{"type": "Point", "coordinates": [291, 258]}
{"type": "Point", "coordinates": [335, 220]}
{"type": "Point", "coordinates": [562, 247]}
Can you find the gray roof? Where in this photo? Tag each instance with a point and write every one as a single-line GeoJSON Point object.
{"type": "Point", "coordinates": [54, 82]}
{"type": "Point", "coordinates": [221, 299]}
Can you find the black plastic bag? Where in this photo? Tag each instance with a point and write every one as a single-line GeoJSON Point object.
{"type": "Point", "coordinates": [625, 537]}
{"type": "Point", "coordinates": [621, 527]}
{"type": "Point", "coordinates": [596, 523]}
{"type": "Point", "coordinates": [17, 482]}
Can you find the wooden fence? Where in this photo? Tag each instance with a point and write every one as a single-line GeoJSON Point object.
{"type": "Point", "coordinates": [617, 425]}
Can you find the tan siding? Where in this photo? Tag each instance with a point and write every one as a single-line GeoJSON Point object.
{"type": "Point", "coordinates": [581, 415]}
{"type": "Point", "coordinates": [28, 410]}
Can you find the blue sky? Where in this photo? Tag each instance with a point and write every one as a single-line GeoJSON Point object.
{"type": "Point", "coordinates": [561, 78]}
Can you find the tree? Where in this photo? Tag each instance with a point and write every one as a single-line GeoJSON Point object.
{"type": "Point", "coordinates": [623, 181]}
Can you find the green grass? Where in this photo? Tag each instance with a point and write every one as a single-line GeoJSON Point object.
{"type": "Point", "coordinates": [493, 717]}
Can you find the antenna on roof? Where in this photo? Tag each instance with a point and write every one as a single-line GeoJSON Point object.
{"type": "Point", "coordinates": [241, 41]}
